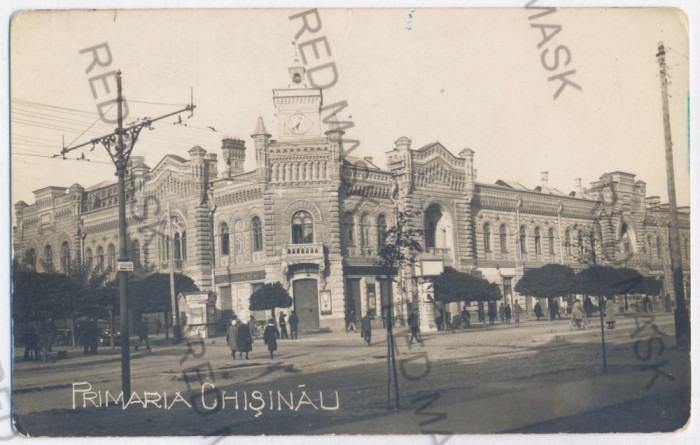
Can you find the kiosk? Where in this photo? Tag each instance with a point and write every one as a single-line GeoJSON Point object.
{"type": "Point", "coordinates": [197, 314]}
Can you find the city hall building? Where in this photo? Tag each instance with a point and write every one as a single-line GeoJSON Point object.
{"type": "Point", "coordinates": [312, 217]}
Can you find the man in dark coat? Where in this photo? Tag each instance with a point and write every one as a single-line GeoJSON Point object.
{"type": "Point", "coordinates": [492, 313]}
{"type": "Point", "coordinates": [270, 336]}
{"type": "Point", "coordinates": [142, 331]}
{"type": "Point", "coordinates": [538, 310]}
{"type": "Point", "coordinates": [367, 328]}
{"type": "Point", "coordinates": [507, 312]}
{"type": "Point", "coordinates": [294, 325]}
{"type": "Point", "coordinates": [283, 325]}
{"type": "Point", "coordinates": [244, 340]}
{"type": "Point", "coordinates": [413, 324]}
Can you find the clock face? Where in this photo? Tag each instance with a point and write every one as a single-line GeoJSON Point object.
{"type": "Point", "coordinates": [298, 124]}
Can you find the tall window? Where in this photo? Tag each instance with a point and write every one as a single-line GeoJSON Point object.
{"type": "Point", "coordinates": [177, 248]}
{"type": "Point", "coordinates": [239, 236]}
{"type": "Point", "coordinates": [364, 231]}
{"type": "Point", "coordinates": [65, 256]}
{"type": "Point", "coordinates": [136, 253]}
{"type": "Point", "coordinates": [523, 240]}
{"type": "Point", "coordinates": [550, 238]}
{"type": "Point", "coordinates": [503, 238]}
{"type": "Point", "coordinates": [257, 234]}
{"type": "Point", "coordinates": [349, 222]}
{"type": "Point", "coordinates": [567, 241]}
{"type": "Point", "coordinates": [30, 259]}
{"type": "Point", "coordinates": [224, 239]}
{"type": "Point", "coordinates": [302, 228]}
{"type": "Point", "coordinates": [538, 241]}
{"type": "Point", "coordinates": [430, 234]}
{"type": "Point", "coordinates": [100, 258]}
{"type": "Point", "coordinates": [686, 248]}
{"type": "Point", "coordinates": [650, 246]}
{"type": "Point", "coordinates": [111, 257]}
{"type": "Point", "coordinates": [487, 238]}
{"type": "Point", "coordinates": [48, 257]}
{"type": "Point", "coordinates": [381, 230]}
{"type": "Point", "coordinates": [658, 247]}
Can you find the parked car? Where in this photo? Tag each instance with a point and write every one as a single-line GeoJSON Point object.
{"type": "Point", "coordinates": [105, 335]}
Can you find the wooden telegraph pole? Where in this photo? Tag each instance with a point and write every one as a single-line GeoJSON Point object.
{"type": "Point", "coordinates": [119, 146]}
{"type": "Point", "coordinates": [681, 314]}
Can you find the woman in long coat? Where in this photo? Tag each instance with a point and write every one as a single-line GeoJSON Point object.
{"type": "Point", "coordinates": [244, 340]}
{"type": "Point", "coordinates": [610, 313]}
{"type": "Point", "coordinates": [232, 338]}
{"type": "Point", "coordinates": [270, 336]}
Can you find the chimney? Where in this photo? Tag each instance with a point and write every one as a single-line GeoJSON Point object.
{"type": "Point", "coordinates": [544, 178]}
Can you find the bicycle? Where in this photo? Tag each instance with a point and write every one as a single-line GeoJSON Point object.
{"type": "Point", "coordinates": [579, 323]}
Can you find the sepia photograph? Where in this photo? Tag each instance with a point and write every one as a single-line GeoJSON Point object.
{"type": "Point", "coordinates": [332, 221]}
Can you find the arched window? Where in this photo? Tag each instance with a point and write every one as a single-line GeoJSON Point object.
{"type": "Point", "coordinates": [649, 245]}
{"type": "Point", "coordinates": [627, 246]}
{"type": "Point", "coordinates": [224, 242]}
{"type": "Point", "coordinates": [430, 234]}
{"type": "Point", "coordinates": [567, 241]}
{"type": "Point", "coordinates": [364, 231]}
{"type": "Point", "coordinates": [658, 247]}
{"type": "Point", "coordinates": [550, 238]}
{"type": "Point", "coordinates": [349, 223]}
{"type": "Point", "coordinates": [48, 258]}
{"type": "Point", "coordinates": [100, 258]}
{"type": "Point", "coordinates": [136, 253]}
{"type": "Point", "coordinates": [183, 245]}
{"type": "Point", "coordinates": [177, 248]}
{"type": "Point", "coordinates": [30, 259]}
{"type": "Point", "coordinates": [538, 241]}
{"type": "Point", "coordinates": [523, 240]}
{"type": "Point", "coordinates": [487, 238]}
{"type": "Point", "coordinates": [302, 228]}
{"type": "Point", "coordinates": [381, 230]}
{"type": "Point", "coordinates": [65, 256]}
{"type": "Point", "coordinates": [257, 234]}
{"type": "Point", "coordinates": [111, 257]}
{"type": "Point", "coordinates": [503, 238]}
{"type": "Point", "coordinates": [239, 236]}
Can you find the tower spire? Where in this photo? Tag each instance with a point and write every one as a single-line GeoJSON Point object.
{"type": "Point", "coordinates": [260, 129]}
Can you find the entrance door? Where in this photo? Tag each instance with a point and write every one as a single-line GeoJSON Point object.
{"type": "Point", "coordinates": [352, 300]}
{"type": "Point", "coordinates": [306, 304]}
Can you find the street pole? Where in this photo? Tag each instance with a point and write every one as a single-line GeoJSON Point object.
{"type": "Point", "coordinates": [120, 152]}
{"type": "Point", "coordinates": [601, 300]}
{"type": "Point", "coordinates": [121, 159]}
{"type": "Point", "coordinates": [682, 317]}
{"type": "Point", "coordinates": [173, 298]}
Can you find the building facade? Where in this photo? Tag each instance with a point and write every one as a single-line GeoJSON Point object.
{"type": "Point", "coordinates": [312, 217]}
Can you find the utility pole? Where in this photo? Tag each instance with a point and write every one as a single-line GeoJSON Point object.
{"type": "Point", "coordinates": [682, 317]}
{"type": "Point", "coordinates": [173, 297]}
{"type": "Point", "coordinates": [120, 154]}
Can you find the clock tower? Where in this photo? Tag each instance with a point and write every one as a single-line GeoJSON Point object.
{"type": "Point", "coordinates": [298, 108]}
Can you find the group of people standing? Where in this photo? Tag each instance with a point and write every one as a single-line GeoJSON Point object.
{"type": "Point", "coordinates": [240, 339]}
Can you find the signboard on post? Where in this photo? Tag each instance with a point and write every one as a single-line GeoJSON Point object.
{"type": "Point", "coordinates": [125, 266]}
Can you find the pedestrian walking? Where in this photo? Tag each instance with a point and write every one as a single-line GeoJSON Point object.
{"type": "Point", "coordinates": [294, 325]}
{"type": "Point", "coordinates": [588, 306]}
{"type": "Point", "coordinates": [142, 331]}
{"type": "Point", "coordinates": [492, 313]}
{"type": "Point", "coordinates": [413, 324]}
{"type": "Point", "coordinates": [270, 337]}
{"type": "Point", "coordinates": [93, 336]}
{"type": "Point", "coordinates": [538, 311]}
{"type": "Point", "coordinates": [507, 312]}
{"type": "Point", "coordinates": [366, 325]}
{"type": "Point", "coordinates": [350, 322]}
{"type": "Point", "coordinates": [502, 313]}
{"type": "Point", "coordinates": [610, 313]}
{"type": "Point", "coordinates": [283, 325]}
{"type": "Point", "coordinates": [465, 317]}
{"type": "Point", "coordinates": [244, 339]}
{"type": "Point", "coordinates": [518, 311]}
{"type": "Point", "coordinates": [46, 337]}
{"type": "Point", "coordinates": [31, 344]}
{"type": "Point", "coordinates": [232, 337]}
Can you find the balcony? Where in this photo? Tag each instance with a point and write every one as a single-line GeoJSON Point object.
{"type": "Point", "coordinates": [311, 253]}
{"type": "Point", "coordinates": [444, 253]}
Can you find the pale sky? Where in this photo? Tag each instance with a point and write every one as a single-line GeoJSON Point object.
{"type": "Point", "coordinates": [467, 78]}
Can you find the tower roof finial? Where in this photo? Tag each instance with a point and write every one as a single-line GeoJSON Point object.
{"type": "Point", "coordinates": [260, 129]}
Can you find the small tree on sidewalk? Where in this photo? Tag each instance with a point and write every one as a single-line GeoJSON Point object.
{"type": "Point", "coordinates": [549, 281]}
{"type": "Point", "coordinates": [269, 297]}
